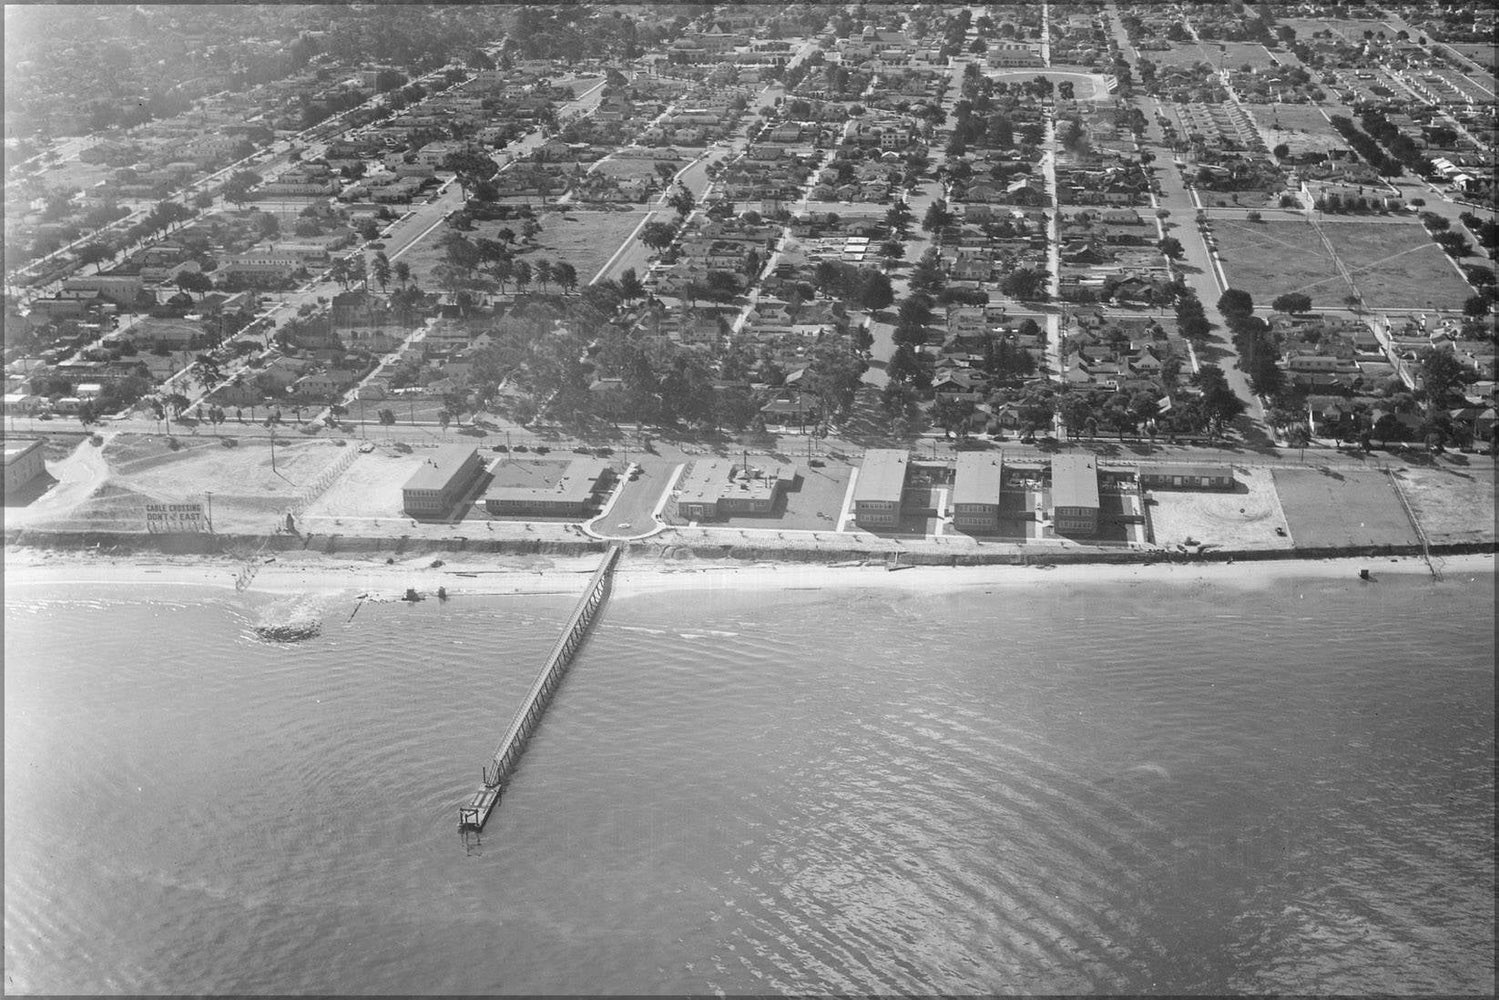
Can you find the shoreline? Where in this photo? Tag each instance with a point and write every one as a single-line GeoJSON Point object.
{"type": "Point", "coordinates": [563, 576]}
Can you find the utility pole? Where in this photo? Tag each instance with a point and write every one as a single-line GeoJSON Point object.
{"type": "Point", "coordinates": [209, 495]}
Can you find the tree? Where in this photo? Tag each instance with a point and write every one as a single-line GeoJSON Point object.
{"type": "Point", "coordinates": [542, 269]}
{"type": "Point", "coordinates": [937, 217]}
{"type": "Point", "coordinates": [1292, 302]}
{"type": "Point", "coordinates": [681, 201]}
{"type": "Point", "coordinates": [1219, 402]}
{"type": "Point", "coordinates": [340, 272]}
{"type": "Point", "coordinates": [93, 253]}
{"type": "Point", "coordinates": [1025, 283]}
{"type": "Point", "coordinates": [892, 250]}
{"type": "Point", "coordinates": [875, 291]}
{"type": "Point", "coordinates": [565, 275]}
{"type": "Point", "coordinates": [194, 281]}
{"type": "Point", "coordinates": [380, 270]}
{"type": "Point", "coordinates": [444, 418]}
{"type": "Point", "coordinates": [630, 287]}
{"type": "Point", "coordinates": [402, 272]}
{"type": "Point", "coordinates": [1476, 306]}
{"type": "Point", "coordinates": [1171, 247]}
{"type": "Point", "coordinates": [1235, 302]}
{"type": "Point", "coordinates": [658, 235]}
{"type": "Point", "coordinates": [1442, 378]}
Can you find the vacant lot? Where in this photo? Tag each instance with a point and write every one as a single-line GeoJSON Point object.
{"type": "Point", "coordinates": [1245, 518]}
{"type": "Point", "coordinates": [1331, 508]}
{"type": "Point", "coordinates": [639, 166]}
{"type": "Point", "coordinates": [1267, 259]}
{"type": "Point", "coordinates": [1395, 265]}
{"type": "Point", "coordinates": [586, 239]}
{"type": "Point", "coordinates": [1453, 503]}
{"type": "Point", "coordinates": [1184, 54]}
{"type": "Point", "coordinates": [1300, 126]}
{"type": "Point", "coordinates": [583, 238]}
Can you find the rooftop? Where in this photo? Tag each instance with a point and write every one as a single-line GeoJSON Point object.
{"type": "Point", "coordinates": [977, 479]}
{"type": "Point", "coordinates": [577, 484]}
{"type": "Point", "coordinates": [882, 477]}
{"type": "Point", "coordinates": [712, 479]}
{"type": "Point", "coordinates": [1074, 481]}
{"type": "Point", "coordinates": [437, 470]}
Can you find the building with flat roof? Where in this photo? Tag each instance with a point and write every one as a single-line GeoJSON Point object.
{"type": "Point", "coordinates": [441, 480]}
{"type": "Point", "coordinates": [570, 496]}
{"type": "Point", "coordinates": [717, 488]}
{"type": "Point", "coordinates": [1186, 477]}
{"type": "Point", "coordinates": [23, 463]}
{"type": "Point", "coordinates": [1074, 494]}
{"type": "Point", "coordinates": [975, 492]}
{"type": "Point", "coordinates": [881, 484]}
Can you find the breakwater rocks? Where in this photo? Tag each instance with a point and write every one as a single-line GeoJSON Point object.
{"type": "Point", "coordinates": [290, 620]}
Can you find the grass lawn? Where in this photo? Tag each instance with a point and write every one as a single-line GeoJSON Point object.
{"type": "Point", "coordinates": [585, 238]}
{"type": "Point", "coordinates": [1342, 508]}
{"type": "Point", "coordinates": [1236, 54]}
{"type": "Point", "coordinates": [642, 167]}
{"type": "Point", "coordinates": [1185, 54]}
{"type": "Point", "coordinates": [1267, 259]}
{"type": "Point", "coordinates": [1397, 265]}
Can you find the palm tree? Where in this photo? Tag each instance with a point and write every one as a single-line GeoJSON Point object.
{"type": "Point", "coordinates": [402, 272]}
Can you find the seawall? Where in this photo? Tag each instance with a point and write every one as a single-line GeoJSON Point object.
{"type": "Point", "coordinates": [243, 546]}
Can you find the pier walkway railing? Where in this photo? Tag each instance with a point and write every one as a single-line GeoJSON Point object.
{"type": "Point", "coordinates": [506, 757]}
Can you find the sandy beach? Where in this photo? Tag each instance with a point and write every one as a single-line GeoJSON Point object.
{"type": "Point", "coordinates": [306, 573]}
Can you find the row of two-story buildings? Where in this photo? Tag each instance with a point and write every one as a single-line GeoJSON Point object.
{"type": "Point", "coordinates": [1073, 492]}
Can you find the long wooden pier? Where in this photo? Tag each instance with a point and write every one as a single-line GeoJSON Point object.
{"type": "Point", "coordinates": [475, 812]}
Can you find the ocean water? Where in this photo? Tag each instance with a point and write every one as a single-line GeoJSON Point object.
{"type": "Point", "coordinates": [1059, 788]}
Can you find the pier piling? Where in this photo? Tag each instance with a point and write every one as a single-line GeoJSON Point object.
{"type": "Point", "coordinates": [475, 812]}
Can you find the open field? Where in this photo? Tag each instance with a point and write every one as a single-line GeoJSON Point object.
{"type": "Point", "coordinates": [1183, 54]}
{"type": "Point", "coordinates": [1300, 126]}
{"type": "Point", "coordinates": [1244, 518]}
{"type": "Point", "coordinates": [1267, 259]}
{"type": "Point", "coordinates": [585, 238]}
{"type": "Point", "coordinates": [1452, 504]}
{"type": "Point", "coordinates": [369, 491]}
{"type": "Point", "coordinates": [1086, 85]}
{"type": "Point", "coordinates": [1396, 265]}
{"type": "Point", "coordinates": [643, 167]}
{"type": "Point", "coordinates": [1234, 55]}
{"type": "Point", "coordinates": [1334, 508]}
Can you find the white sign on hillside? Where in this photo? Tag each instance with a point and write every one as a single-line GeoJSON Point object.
{"type": "Point", "coordinates": [165, 517]}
